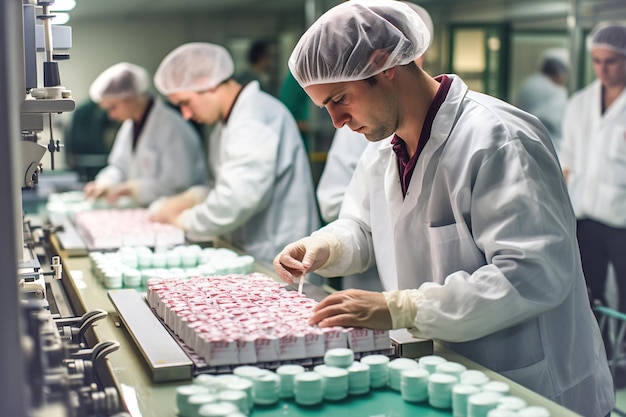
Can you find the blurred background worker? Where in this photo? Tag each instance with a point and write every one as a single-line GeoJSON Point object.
{"type": "Point", "coordinates": [260, 194]}
{"type": "Point", "coordinates": [343, 156]}
{"type": "Point", "coordinates": [89, 139]}
{"type": "Point", "coordinates": [462, 206]}
{"type": "Point", "coordinates": [261, 66]}
{"type": "Point", "coordinates": [594, 162]}
{"type": "Point", "coordinates": [156, 152]}
{"type": "Point", "coordinates": [544, 94]}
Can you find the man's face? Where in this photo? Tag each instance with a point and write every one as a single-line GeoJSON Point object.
{"type": "Point", "coordinates": [362, 106]}
{"type": "Point", "coordinates": [609, 66]}
{"type": "Point", "coordinates": [118, 109]}
{"type": "Point", "coordinates": [201, 107]}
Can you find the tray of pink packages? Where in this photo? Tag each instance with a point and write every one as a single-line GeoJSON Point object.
{"type": "Point", "coordinates": [235, 319]}
{"type": "Point", "coordinates": [109, 229]}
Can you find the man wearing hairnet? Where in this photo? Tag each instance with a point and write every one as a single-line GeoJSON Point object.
{"type": "Point", "coordinates": [260, 192]}
{"type": "Point", "coordinates": [156, 152]}
{"type": "Point", "coordinates": [544, 94]}
{"type": "Point", "coordinates": [594, 162]}
{"type": "Point", "coordinates": [461, 204]}
{"type": "Point", "coordinates": [343, 156]}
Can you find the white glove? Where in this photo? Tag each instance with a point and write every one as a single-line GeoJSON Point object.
{"type": "Point", "coordinates": [306, 255]}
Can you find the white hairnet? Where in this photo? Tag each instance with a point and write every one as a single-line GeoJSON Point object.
{"type": "Point", "coordinates": [428, 21]}
{"type": "Point", "coordinates": [120, 81]}
{"type": "Point", "coordinates": [357, 40]}
{"type": "Point", "coordinates": [559, 54]}
{"type": "Point", "coordinates": [609, 35]}
{"type": "Point", "coordinates": [195, 66]}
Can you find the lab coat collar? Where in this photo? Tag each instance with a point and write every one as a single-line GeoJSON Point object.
{"type": "Point", "coordinates": [616, 107]}
{"type": "Point", "coordinates": [248, 89]}
{"type": "Point", "coordinates": [392, 186]}
{"type": "Point", "coordinates": [443, 123]}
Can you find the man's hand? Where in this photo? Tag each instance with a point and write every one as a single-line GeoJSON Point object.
{"type": "Point", "coordinates": [167, 210]}
{"type": "Point", "coordinates": [300, 257]}
{"type": "Point", "coordinates": [353, 308]}
{"type": "Point", "coordinates": [94, 190]}
{"type": "Point", "coordinates": [125, 189]}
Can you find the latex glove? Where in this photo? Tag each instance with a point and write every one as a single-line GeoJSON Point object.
{"type": "Point", "coordinates": [94, 190]}
{"type": "Point", "coordinates": [304, 255]}
{"type": "Point", "coordinates": [128, 188]}
{"type": "Point", "coordinates": [353, 308]}
{"type": "Point", "coordinates": [168, 209]}
{"type": "Point", "coordinates": [402, 306]}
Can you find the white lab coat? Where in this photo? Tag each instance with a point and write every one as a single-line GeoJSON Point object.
{"type": "Point", "coordinates": [542, 97]}
{"type": "Point", "coordinates": [343, 156]}
{"type": "Point", "coordinates": [167, 160]}
{"type": "Point", "coordinates": [261, 194]}
{"type": "Point", "coordinates": [487, 236]}
{"type": "Point", "coordinates": [594, 153]}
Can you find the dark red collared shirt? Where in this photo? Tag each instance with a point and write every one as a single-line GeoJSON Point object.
{"type": "Point", "coordinates": [138, 126]}
{"type": "Point", "coordinates": [406, 163]}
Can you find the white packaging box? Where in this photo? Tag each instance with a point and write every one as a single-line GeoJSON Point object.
{"type": "Point", "coordinates": [186, 327]}
{"type": "Point", "coordinates": [171, 315]}
{"type": "Point", "coordinates": [193, 332]}
{"type": "Point", "coordinates": [314, 343]}
{"type": "Point", "coordinates": [291, 346]}
{"type": "Point", "coordinates": [266, 348]}
{"type": "Point", "coordinates": [381, 339]}
{"type": "Point", "coordinates": [220, 352]}
{"type": "Point", "coordinates": [144, 238]}
{"type": "Point", "coordinates": [334, 337]}
{"type": "Point", "coordinates": [360, 339]}
{"type": "Point", "coordinates": [247, 349]}
{"type": "Point", "coordinates": [151, 296]}
{"type": "Point", "coordinates": [106, 242]}
{"type": "Point", "coordinates": [168, 238]}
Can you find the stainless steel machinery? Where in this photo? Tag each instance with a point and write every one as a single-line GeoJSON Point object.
{"type": "Point", "coordinates": [46, 368]}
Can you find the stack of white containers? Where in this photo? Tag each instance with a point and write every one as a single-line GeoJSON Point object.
{"type": "Point", "coordinates": [308, 388]}
{"type": "Point", "coordinates": [379, 374]}
{"type": "Point", "coordinates": [132, 267]}
{"type": "Point", "coordinates": [443, 384]}
{"type": "Point", "coordinates": [287, 374]}
{"type": "Point", "coordinates": [469, 393]}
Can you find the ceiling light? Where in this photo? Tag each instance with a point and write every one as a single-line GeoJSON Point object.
{"type": "Point", "coordinates": [60, 18]}
{"type": "Point", "coordinates": [63, 5]}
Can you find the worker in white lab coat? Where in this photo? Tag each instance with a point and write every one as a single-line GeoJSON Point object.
{"type": "Point", "coordinates": [156, 152]}
{"type": "Point", "coordinates": [344, 153]}
{"type": "Point", "coordinates": [464, 211]}
{"type": "Point", "coordinates": [594, 162]}
{"type": "Point", "coordinates": [544, 94]}
{"type": "Point", "coordinates": [260, 195]}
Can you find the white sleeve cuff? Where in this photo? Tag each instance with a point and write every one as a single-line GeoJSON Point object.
{"type": "Point", "coordinates": [402, 306]}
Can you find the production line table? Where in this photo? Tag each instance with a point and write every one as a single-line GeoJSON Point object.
{"type": "Point", "coordinates": [145, 398]}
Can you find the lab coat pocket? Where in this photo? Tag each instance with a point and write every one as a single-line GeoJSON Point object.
{"type": "Point", "coordinates": [535, 377]}
{"type": "Point", "coordinates": [452, 249]}
{"type": "Point", "coordinates": [148, 160]}
{"type": "Point", "coordinates": [617, 147]}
